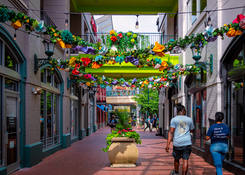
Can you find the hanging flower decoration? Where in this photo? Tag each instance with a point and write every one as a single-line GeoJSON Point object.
{"type": "Point", "coordinates": [85, 61]}
{"type": "Point", "coordinates": [158, 49]}
{"type": "Point", "coordinates": [124, 42]}
{"type": "Point", "coordinates": [113, 39]}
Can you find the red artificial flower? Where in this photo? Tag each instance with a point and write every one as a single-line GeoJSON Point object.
{"type": "Point", "coordinates": [133, 86]}
{"type": "Point", "coordinates": [120, 35]}
{"type": "Point", "coordinates": [87, 76]}
{"type": "Point", "coordinates": [85, 61]}
{"type": "Point", "coordinates": [119, 132]}
{"type": "Point", "coordinates": [75, 71]}
{"type": "Point", "coordinates": [238, 19]}
{"type": "Point", "coordinates": [242, 23]}
{"type": "Point", "coordinates": [114, 39]}
{"type": "Point", "coordinates": [124, 130]}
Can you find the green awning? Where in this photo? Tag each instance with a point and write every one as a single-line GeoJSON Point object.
{"type": "Point", "coordinates": [124, 6]}
{"type": "Point", "coordinates": [129, 71]}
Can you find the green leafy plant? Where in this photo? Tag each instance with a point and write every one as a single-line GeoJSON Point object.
{"type": "Point", "coordinates": [123, 129]}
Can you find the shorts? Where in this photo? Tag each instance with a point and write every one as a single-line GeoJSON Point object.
{"type": "Point", "coordinates": [183, 152]}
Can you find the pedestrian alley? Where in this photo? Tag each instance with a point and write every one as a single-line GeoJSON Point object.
{"type": "Point", "coordinates": [86, 158]}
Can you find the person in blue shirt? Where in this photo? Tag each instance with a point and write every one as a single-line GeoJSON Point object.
{"type": "Point", "coordinates": [219, 134]}
{"type": "Point", "coordinates": [181, 127]}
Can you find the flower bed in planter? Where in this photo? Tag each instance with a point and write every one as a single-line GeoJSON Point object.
{"type": "Point", "coordinates": [123, 152]}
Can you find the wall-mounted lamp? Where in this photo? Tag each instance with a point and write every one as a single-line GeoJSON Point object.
{"type": "Point", "coordinates": [137, 22]}
{"type": "Point", "coordinates": [49, 51]}
{"type": "Point", "coordinates": [196, 52]}
{"type": "Point", "coordinates": [37, 91]}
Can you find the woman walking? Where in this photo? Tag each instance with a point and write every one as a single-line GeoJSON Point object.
{"type": "Point", "coordinates": [219, 134]}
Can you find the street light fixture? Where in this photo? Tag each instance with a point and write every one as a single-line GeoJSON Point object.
{"type": "Point", "coordinates": [49, 51]}
{"type": "Point", "coordinates": [196, 53]}
{"type": "Point", "coordinates": [137, 22]}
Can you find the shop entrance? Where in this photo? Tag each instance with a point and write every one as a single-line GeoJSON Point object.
{"type": "Point", "coordinates": [12, 130]}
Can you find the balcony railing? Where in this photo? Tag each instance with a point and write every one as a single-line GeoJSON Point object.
{"type": "Point", "coordinates": [145, 39]}
{"type": "Point", "coordinates": [117, 92]}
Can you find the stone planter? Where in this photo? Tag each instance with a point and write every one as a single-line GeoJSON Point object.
{"type": "Point", "coordinates": [123, 152]}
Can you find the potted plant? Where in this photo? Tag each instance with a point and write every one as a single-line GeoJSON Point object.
{"type": "Point", "coordinates": [121, 143]}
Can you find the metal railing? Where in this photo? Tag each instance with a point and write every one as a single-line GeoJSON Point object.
{"type": "Point", "coordinates": [117, 92]}
{"type": "Point", "coordinates": [50, 142]}
{"type": "Point", "coordinates": [144, 39]}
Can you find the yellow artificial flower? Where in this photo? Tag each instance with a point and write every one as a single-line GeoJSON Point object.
{"type": "Point", "coordinates": [88, 83]}
{"type": "Point", "coordinates": [17, 24]}
{"type": "Point", "coordinates": [231, 32]}
{"type": "Point", "coordinates": [112, 32]}
{"type": "Point", "coordinates": [61, 43]}
{"type": "Point", "coordinates": [238, 32]}
{"type": "Point", "coordinates": [52, 29]}
{"type": "Point", "coordinates": [132, 40]}
{"type": "Point", "coordinates": [72, 61]}
{"type": "Point", "coordinates": [158, 49]}
{"type": "Point", "coordinates": [95, 65]}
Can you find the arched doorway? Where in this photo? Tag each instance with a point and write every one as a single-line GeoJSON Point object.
{"type": "Point", "coordinates": [12, 99]}
{"type": "Point", "coordinates": [233, 76]}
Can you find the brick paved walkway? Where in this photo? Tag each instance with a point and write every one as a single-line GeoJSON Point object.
{"type": "Point", "coordinates": [86, 158]}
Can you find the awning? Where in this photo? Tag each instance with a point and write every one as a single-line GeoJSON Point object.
{"type": "Point", "coordinates": [124, 6]}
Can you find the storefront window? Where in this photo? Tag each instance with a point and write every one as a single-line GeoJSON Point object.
{"type": "Point", "coordinates": [200, 118]}
{"type": "Point", "coordinates": [49, 116]}
{"type": "Point", "coordinates": [237, 121]}
{"type": "Point", "coordinates": [235, 98]}
{"type": "Point", "coordinates": [74, 111]}
{"type": "Point", "coordinates": [74, 118]}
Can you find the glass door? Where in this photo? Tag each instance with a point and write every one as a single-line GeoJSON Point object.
{"type": "Point", "coordinates": [12, 131]}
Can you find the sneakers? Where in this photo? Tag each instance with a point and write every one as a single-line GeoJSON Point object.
{"type": "Point", "coordinates": [173, 173]}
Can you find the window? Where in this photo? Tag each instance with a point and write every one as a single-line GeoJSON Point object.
{"type": "Point", "coordinates": [74, 119]}
{"type": "Point", "coordinates": [74, 111]}
{"type": "Point", "coordinates": [9, 60]}
{"type": "Point", "coordinates": [195, 7]}
{"type": "Point", "coordinates": [49, 110]}
{"type": "Point", "coordinates": [50, 78]}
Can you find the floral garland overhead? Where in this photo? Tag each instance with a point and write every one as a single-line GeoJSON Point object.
{"type": "Point", "coordinates": [126, 43]}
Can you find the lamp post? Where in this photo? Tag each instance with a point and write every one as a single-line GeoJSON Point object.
{"type": "Point", "coordinates": [49, 51]}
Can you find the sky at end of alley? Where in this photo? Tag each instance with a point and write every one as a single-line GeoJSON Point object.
{"type": "Point", "coordinates": [125, 23]}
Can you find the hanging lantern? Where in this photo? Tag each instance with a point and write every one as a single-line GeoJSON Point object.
{"type": "Point", "coordinates": [196, 52]}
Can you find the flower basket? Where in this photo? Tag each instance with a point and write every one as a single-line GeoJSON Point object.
{"type": "Point", "coordinates": [123, 152]}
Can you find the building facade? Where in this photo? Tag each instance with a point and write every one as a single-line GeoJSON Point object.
{"type": "Point", "coordinates": [220, 88]}
{"type": "Point", "coordinates": [41, 111]}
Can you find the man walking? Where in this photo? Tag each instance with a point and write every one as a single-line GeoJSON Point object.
{"type": "Point", "coordinates": [180, 128]}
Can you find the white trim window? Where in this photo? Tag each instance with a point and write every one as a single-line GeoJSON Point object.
{"type": "Point", "coordinates": [195, 8]}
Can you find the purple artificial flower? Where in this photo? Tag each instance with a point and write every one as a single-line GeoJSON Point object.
{"type": "Point", "coordinates": [93, 79]}
{"type": "Point", "coordinates": [151, 79]}
{"type": "Point", "coordinates": [128, 59]}
{"type": "Point", "coordinates": [114, 82]}
{"type": "Point", "coordinates": [134, 80]}
{"type": "Point", "coordinates": [84, 49]}
{"type": "Point", "coordinates": [134, 61]}
{"type": "Point", "coordinates": [126, 84]}
{"type": "Point", "coordinates": [106, 82]}
{"type": "Point", "coordinates": [91, 50]}
{"type": "Point", "coordinates": [77, 48]}
{"type": "Point", "coordinates": [211, 39]}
